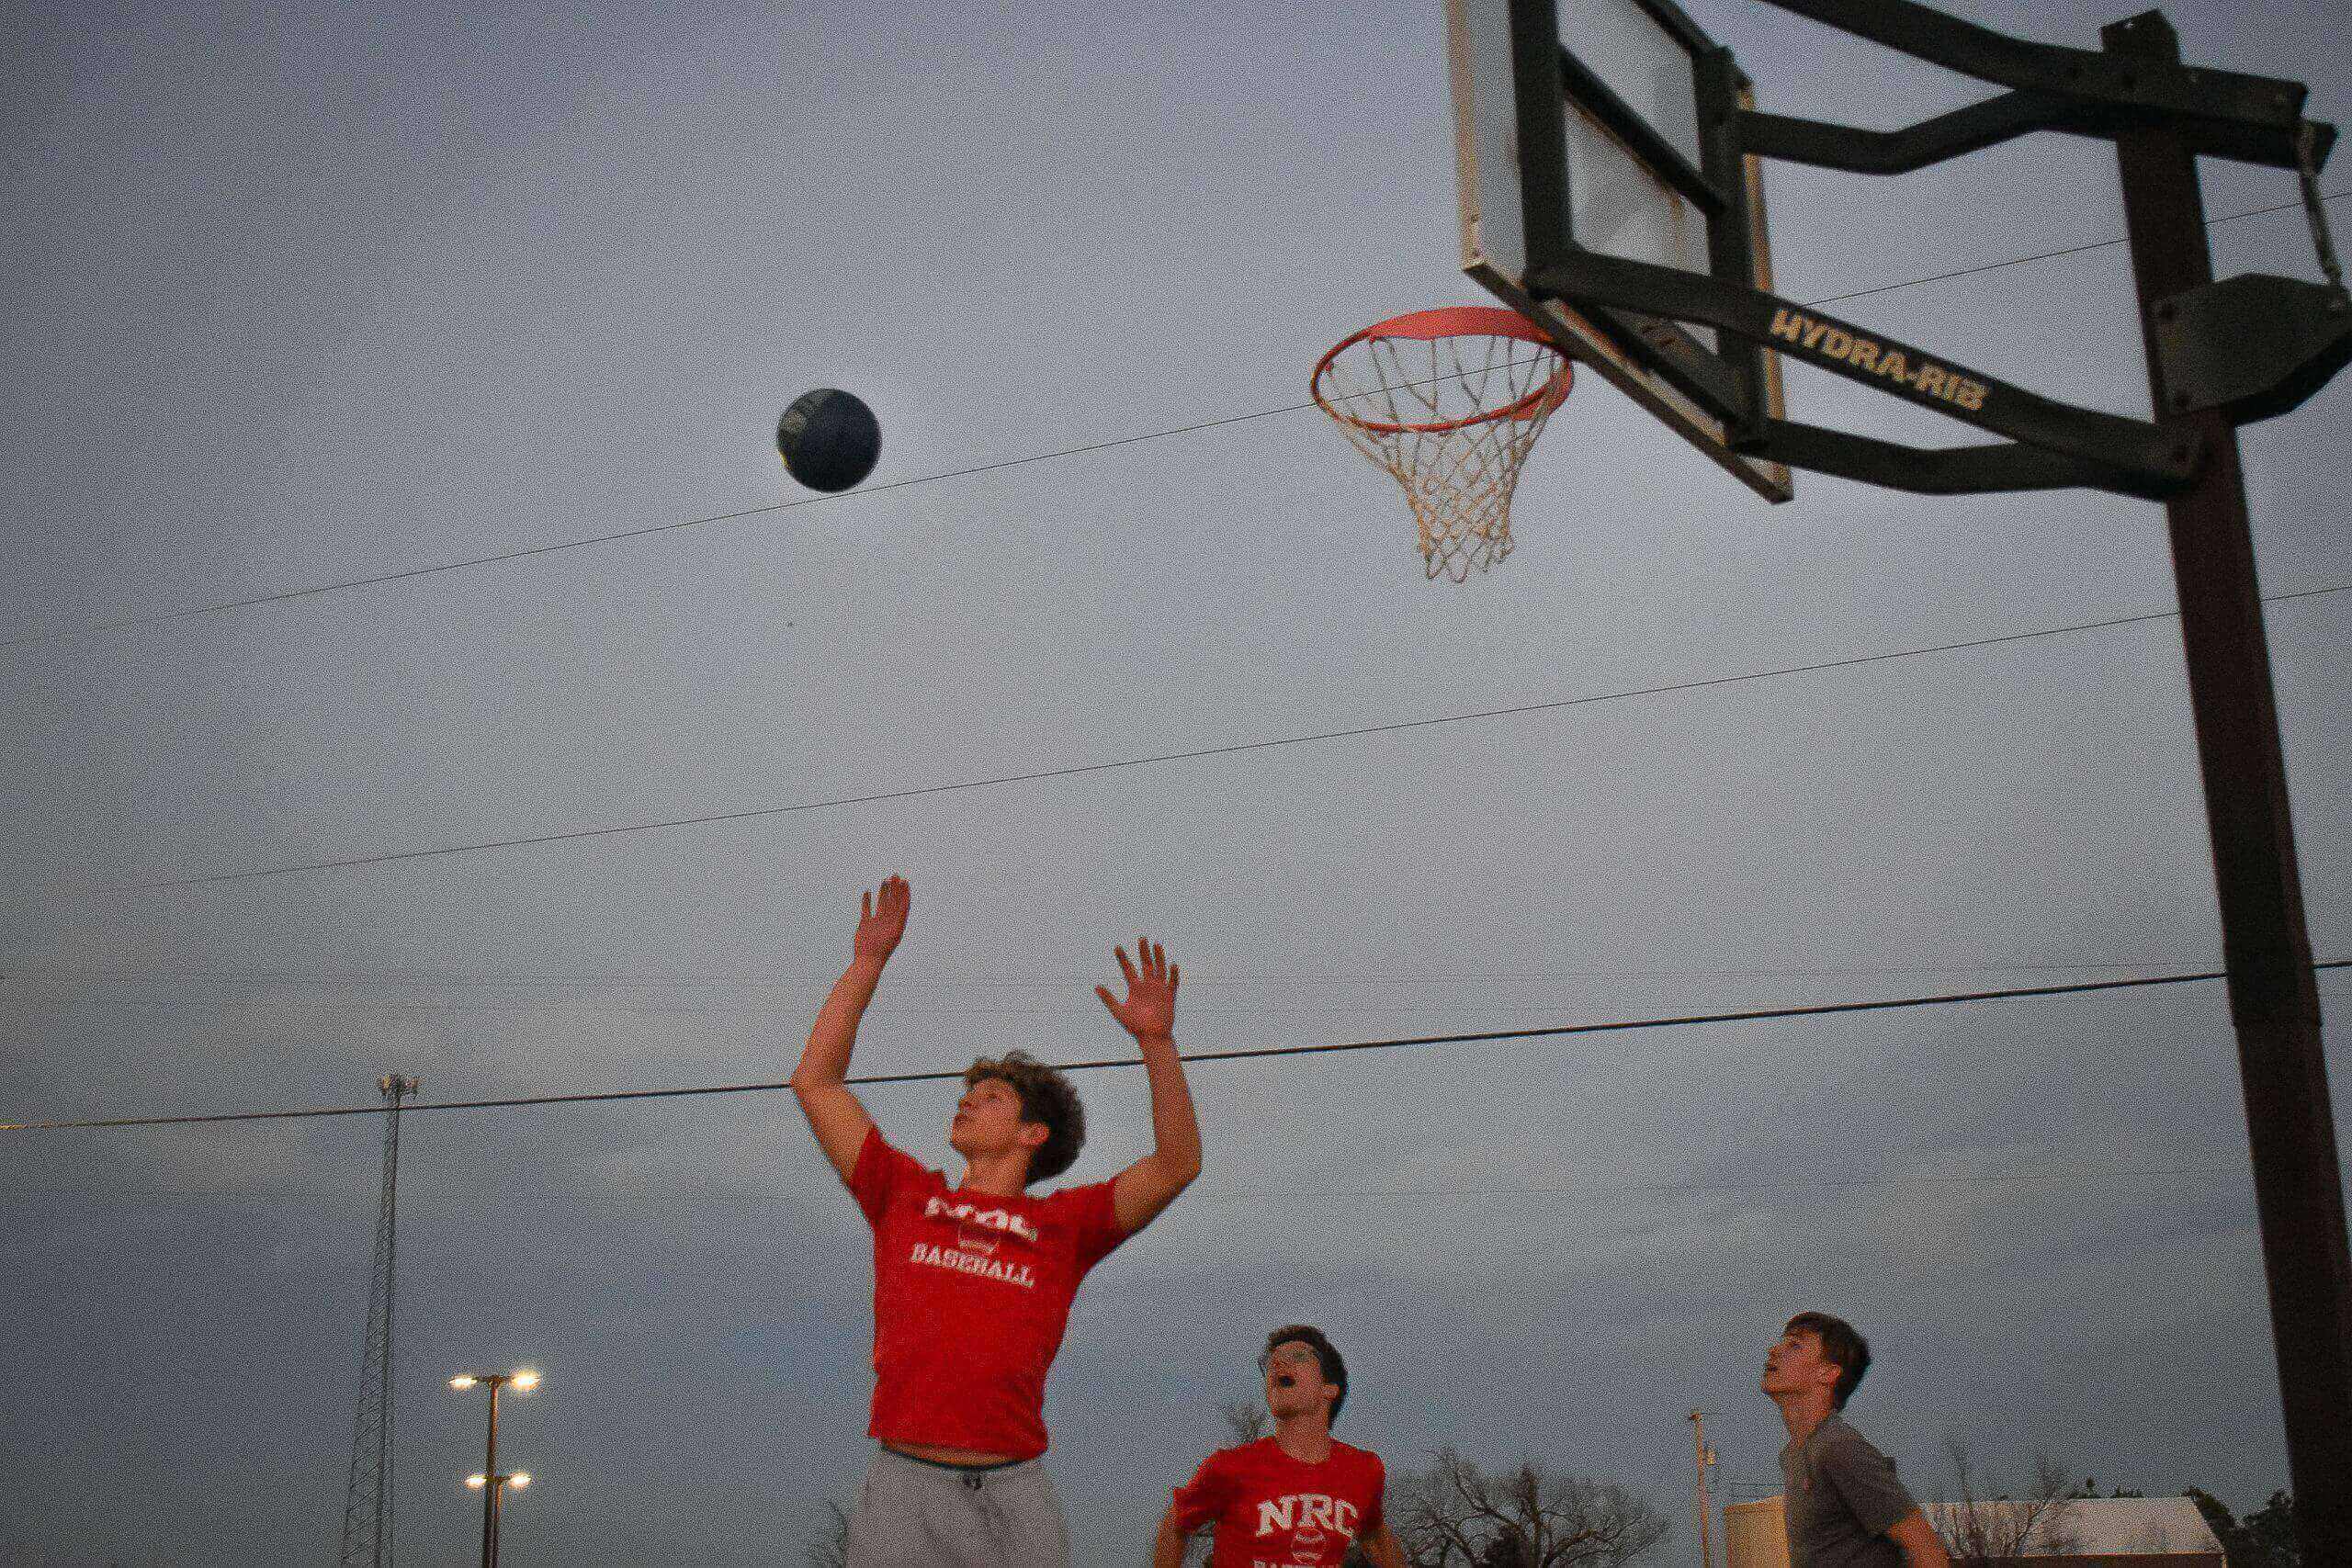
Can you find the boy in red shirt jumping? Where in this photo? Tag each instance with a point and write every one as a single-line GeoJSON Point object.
{"type": "Point", "coordinates": [1295, 1499]}
{"type": "Point", "coordinates": [972, 1284]}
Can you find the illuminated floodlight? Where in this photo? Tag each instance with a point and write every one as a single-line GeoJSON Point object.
{"type": "Point", "coordinates": [462, 1381]}
{"type": "Point", "coordinates": [477, 1482]}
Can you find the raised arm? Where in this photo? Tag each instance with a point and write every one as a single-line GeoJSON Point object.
{"type": "Point", "coordinates": [834, 1115]}
{"type": "Point", "coordinates": [1150, 1184]}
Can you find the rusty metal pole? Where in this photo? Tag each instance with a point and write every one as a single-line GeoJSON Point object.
{"type": "Point", "coordinates": [489, 1481]}
{"type": "Point", "coordinates": [2274, 1002]}
{"type": "Point", "coordinates": [1705, 1504]}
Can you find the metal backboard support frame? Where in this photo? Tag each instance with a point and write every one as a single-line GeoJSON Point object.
{"type": "Point", "coordinates": [2219, 355]}
{"type": "Point", "coordinates": [1523, 99]}
{"type": "Point", "coordinates": [1510, 85]}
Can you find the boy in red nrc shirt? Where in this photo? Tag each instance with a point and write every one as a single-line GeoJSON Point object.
{"type": "Point", "coordinates": [972, 1284]}
{"type": "Point", "coordinates": [1295, 1499]}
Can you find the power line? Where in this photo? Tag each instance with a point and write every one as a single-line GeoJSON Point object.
{"type": "Point", "coordinates": [776, 980]}
{"type": "Point", "coordinates": [781, 1009]}
{"type": "Point", "coordinates": [1255, 1052]}
{"type": "Point", "coordinates": [2067, 250]}
{"type": "Point", "coordinates": [131, 621]}
{"type": "Point", "coordinates": [472, 1197]}
{"type": "Point", "coordinates": [1229, 749]}
{"type": "Point", "coordinates": [125, 623]}
{"type": "Point", "coordinates": [169, 990]}
{"type": "Point", "coordinates": [786, 1010]}
{"type": "Point", "coordinates": [1954, 1179]}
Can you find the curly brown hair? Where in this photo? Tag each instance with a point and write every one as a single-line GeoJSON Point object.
{"type": "Point", "coordinates": [1045, 1099]}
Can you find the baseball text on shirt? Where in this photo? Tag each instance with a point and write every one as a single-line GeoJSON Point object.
{"type": "Point", "coordinates": [971, 1297]}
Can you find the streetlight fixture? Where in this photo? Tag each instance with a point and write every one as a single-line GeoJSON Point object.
{"type": "Point", "coordinates": [489, 1482]}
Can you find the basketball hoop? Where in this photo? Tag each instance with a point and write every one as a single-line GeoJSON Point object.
{"type": "Point", "coordinates": [1448, 402]}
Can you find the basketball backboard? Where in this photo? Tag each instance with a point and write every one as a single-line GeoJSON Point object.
{"type": "Point", "coordinates": [1606, 126]}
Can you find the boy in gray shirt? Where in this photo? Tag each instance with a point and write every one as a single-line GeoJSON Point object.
{"type": "Point", "coordinates": [1841, 1505]}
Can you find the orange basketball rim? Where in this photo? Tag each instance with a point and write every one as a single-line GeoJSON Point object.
{"type": "Point", "coordinates": [1449, 402]}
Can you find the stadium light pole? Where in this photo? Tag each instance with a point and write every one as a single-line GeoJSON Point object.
{"type": "Point", "coordinates": [494, 1490]}
{"type": "Point", "coordinates": [489, 1482]}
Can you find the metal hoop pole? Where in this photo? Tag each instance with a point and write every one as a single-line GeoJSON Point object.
{"type": "Point", "coordinates": [2274, 1003]}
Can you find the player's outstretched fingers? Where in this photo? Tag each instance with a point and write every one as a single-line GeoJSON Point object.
{"type": "Point", "coordinates": [881, 918]}
{"type": "Point", "coordinates": [1125, 967]}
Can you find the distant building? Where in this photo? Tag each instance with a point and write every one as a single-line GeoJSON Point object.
{"type": "Point", "coordinates": [2084, 1532]}
{"type": "Point", "coordinates": [1754, 1535]}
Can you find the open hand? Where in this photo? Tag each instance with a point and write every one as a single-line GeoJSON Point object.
{"type": "Point", "coordinates": [881, 920]}
{"type": "Point", "coordinates": [1149, 1011]}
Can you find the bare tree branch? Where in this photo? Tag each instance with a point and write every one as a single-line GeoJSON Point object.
{"type": "Point", "coordinates": [1977, 1530]}
{"type": "Point", "coordinates": [1455, 1516]}
{"type": "Point", "coordinates": [1246, 1419]}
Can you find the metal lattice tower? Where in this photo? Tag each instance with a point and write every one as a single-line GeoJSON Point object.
{"type": "Point", "coordinates": [367, 1503]}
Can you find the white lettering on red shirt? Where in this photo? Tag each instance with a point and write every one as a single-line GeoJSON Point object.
{"type": "Point", "coordinates": [986, 1219]}
{"type": "Point", "coordinates": [971, 1298]}
{"type": "Point", "coordinates": [965, 1262]}
{"type": "Point", "coordinates": [1273, 1511]}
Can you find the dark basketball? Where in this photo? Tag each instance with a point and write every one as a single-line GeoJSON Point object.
{"type": "Point", "coordinates": [829, 439]}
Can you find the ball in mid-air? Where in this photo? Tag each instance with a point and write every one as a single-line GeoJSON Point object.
{"type": "Point", "coordinates": [829, 439]}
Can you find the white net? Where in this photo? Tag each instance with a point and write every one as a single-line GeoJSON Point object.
{"type": "Point", "coordinates": [1448, 402]}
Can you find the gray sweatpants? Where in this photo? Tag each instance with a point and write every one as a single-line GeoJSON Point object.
{"type": "Point", "coordinates": [913, 1514]}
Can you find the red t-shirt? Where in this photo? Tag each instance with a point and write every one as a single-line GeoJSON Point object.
{"type": "Point", "coordinates": [971, 1294]}
{"type": "Point", "coordinates": [1274, 1511]}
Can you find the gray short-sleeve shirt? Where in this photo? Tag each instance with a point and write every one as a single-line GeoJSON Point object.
{"type": "Point", "coordinates": [1839, 1499]}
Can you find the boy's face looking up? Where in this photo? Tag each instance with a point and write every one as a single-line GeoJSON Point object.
{"type": "Point", "coordinates": [1295, 1382]}
{"type": "Point", "coordinates": [988, 1122]}
{"type": "Point", "coordinates": [1796, 1364]}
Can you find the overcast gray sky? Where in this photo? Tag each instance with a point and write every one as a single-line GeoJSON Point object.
{"type": "Point", "coordinates": [300, 296]}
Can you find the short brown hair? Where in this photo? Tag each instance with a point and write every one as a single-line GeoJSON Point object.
{"type": "Point", "coordinates": [1335, 1370]}
{"type": "Point", "coordinates": [1841, 1347]}
{"type": "Point", "coordinates": [1045, 1099]}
